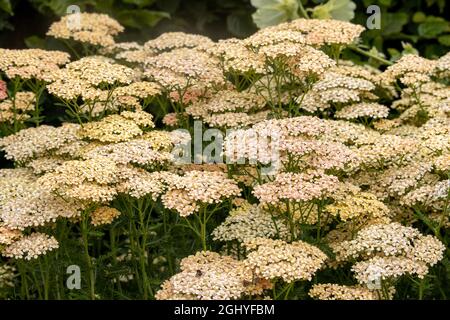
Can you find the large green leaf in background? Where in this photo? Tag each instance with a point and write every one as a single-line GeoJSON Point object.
{"type": "Point", "coordinates": [59, 7]}
{"type": "Point", "coordinates": [273, 12]}
{"type": "Point", "coordinates": [445, 40]}
{"type": "Point", "coordinates": [240, 24]}
{"type": "Point", "coordinates": [140, 3]}
{"type": "Point", "coordinates": [6, 11]}
{"type": "Point", "coordinates": [335, 9]}
{"type": "Point", "coordinates": [392, 23]}
{"type": "Point", "coordinates": [432, 27]}
{"type": "Point", "coordinates": [140, 17]}
{"type": "Point", "coordinates": [5, 5]}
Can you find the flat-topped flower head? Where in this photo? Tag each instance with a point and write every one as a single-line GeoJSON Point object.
{"type": "Point", "coordinates": [318, 32]}
{"type": "Point", "coordinates": [16, 110]}
{"type": "Point", "coordinates": [410, 69]}
{"type": "Point", "coordinates": [8, 236]}
{"type": "Point", "coordinates": [332, 291]}
{"type": "Point", "coordinates": [36, 142]}
{"type": "Point", "coordinates": [104, 215]}
{"type": "Point", "coordinates": [25, 203]}
{"type": "Point", "coordinates": [274, 259]}
{"type": "Point", "coordinates": [428, 195]}
{"type": "Point", "coordinates": [209, 276]}
{"type": "Point", "coordinates": [91, 28]}
{"type": "Point", "coordinates": [96, 70]}
{"type": "Point", "coordinates": [30, 247]}
{"type": "Point", "coordinates": [118, 128]}
{"type": "Point", "coordinates": [236, 57]}
{"type": "Point", "coordinates": [182, 68]}
{"type": "Point", "coordinates": [88, 77]}
{"type": "Point", "coordinates": [87, 181]}
{"type": "Point", "coordinates": [196, 188]}
{"type": "Point", "coordinates": [139, 89]}
{"type": "Point", "coordinates": [443, 66]}
{"type": "Point", "coordinates": [300, 187]}
{"type": "Point", "coordinates": [138, 151]}
{"type": "Point", "coordinates": [248, 222]}
{"type": "Point", "coordinates": [363, 110]}
{"type": "Point", "coordinates": [391, 240]}
{"type": "Point", "coordinates": [176, 40]}
{"type": "Point", "coordinates": [31, 63]}
{"type": "Point", "coordinates": [304, 153]}
{"type": "Point", "coordinates": [358, 205]}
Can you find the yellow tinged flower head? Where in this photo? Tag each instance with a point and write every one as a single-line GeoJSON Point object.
{"type": "Point", "coordinates": [104, 215]}
{"type": "Point", "coordinates": [31, 63]}
{"type": "Point", "coordinates": [117, 128]}
{"type": "Point", "coordinates": [272, 259]}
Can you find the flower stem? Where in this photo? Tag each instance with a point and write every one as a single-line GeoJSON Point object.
{"type": "Point", "coordinates": [370, 55]}
{"type": "Point", "coordinates": [302, 10]}
{"type": "Point", "coordinates": [85, 237]}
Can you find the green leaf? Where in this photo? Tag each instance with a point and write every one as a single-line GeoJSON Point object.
{"type": "Point", "coordinates": [440, 3]}
{"type": "Point", "coordinates": [168, 5]}
{"type": "Point", "coordinates": [141, 18]}
{"type": "Point", "coordinates": [394, 53]}
{"type": "Point", "coordinates": [240, 25]}
{"type": "Point", "coordinates": [386, 3]}
{"type": "Point", "coordinates": [273, 12]}
{"type": "Point", "coordinates": [445, 40]}
{"type": "Point", "coordinates": [409, 49]}
{"type": "Point", "coordinates": [98, 234]}
{"type": "Point", "coordinates": [392, 23]}
{"type": "Point", "coordinates": [433, 27]}
{"type": "Point", "coordinates": [58, 7]}
{"type": "Point", "coordinates": [140, 3]}
{"type": "Point", "coordinates": [336, 9]}
{"type": "Point", "coordinates": [419, 17]}
{"type": "Point", "coordinates": [35, 42]}
{"type": "Point", "coordinates": [5, 5]}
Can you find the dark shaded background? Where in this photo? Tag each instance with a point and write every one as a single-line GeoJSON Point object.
{"type": "Point", "coordinates": [422, 23]}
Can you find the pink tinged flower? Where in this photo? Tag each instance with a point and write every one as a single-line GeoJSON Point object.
{"type": "Point", "coordinates": [170, 119]}
{"type": "Point", "coordinates": [3, 90]}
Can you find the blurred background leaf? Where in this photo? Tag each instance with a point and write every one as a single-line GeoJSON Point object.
{"type": "Point", "coordinates": [424, 24]}
{"type": "Point", "coordinates": [335, 9]}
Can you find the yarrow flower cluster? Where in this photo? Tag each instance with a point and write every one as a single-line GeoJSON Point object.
{"type": "Point", "coordinates": [330, 291]}
{"type": "Point", "coordinates": [187, 193]}
{"type": "Point", "coordinates": [17, 109]}
{"type": "Point", "coordinates": [3, 90]}
{"type": "Point", "coordinates": [30, 247]}
{"type": "Point", "coordinates": [389, 251]}
{"type": "Point", "coordinates": [247, 222]}
{"type": "Point", "coordinates": [209, 276]}
{"type": "Point", "coordinates": [91, 28]}
{"type": "Point", "coordinates": [272, 259]}
{"type": "Point", "coordinates": [31, 63]}
{"type": "Point", "coordinates": [335, 182]}
{"type": "Point", "coordinates": [297, 187]}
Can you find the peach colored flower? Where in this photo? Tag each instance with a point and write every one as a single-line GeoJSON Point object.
{"type": "Point", "coordinates": [3, 90]}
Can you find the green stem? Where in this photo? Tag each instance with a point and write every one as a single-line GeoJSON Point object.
{"type": "Point", "coordinates": [302, 10]}
{"type": "Point", "coordinates": [421, 288]}
{"type": "Point", "coordinates": [85, 237]}
{"type": "Point", "coordinates": [25, 292]}
{"type": "Point", "coordinates": [44, 276]}
{"type": "Point", "coordinates": [370, 55]}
